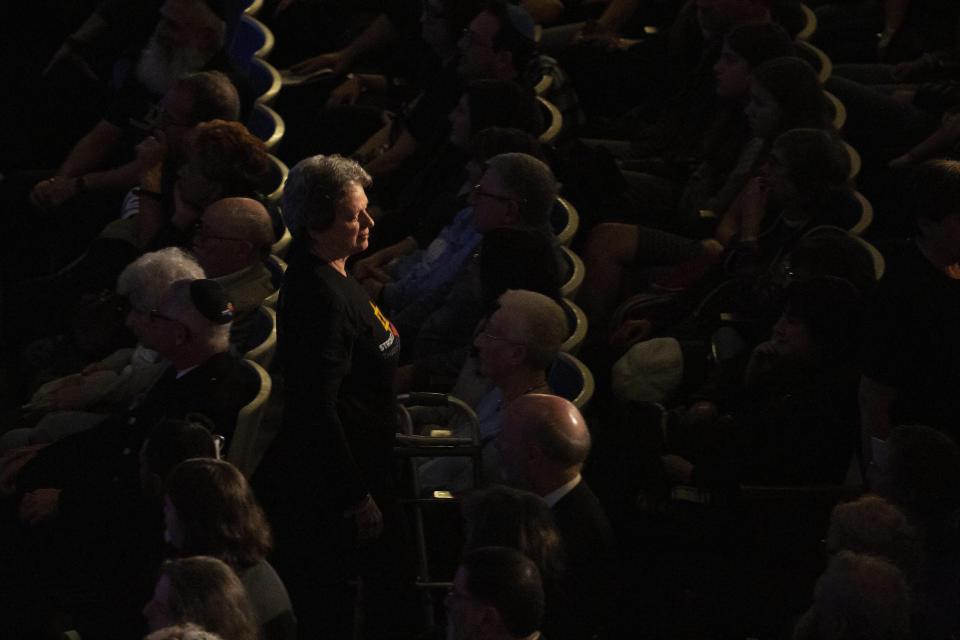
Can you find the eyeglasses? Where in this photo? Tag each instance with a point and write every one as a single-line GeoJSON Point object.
{"type": "Point", "coordinates": [480, 193]}
{"type": "Point", "coordinates": [200, 233]}
{"type": "Point", "coordinates": [156, 315]}
{"type": "Point", "coordinates": [493, 336]}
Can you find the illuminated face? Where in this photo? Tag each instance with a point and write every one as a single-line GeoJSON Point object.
{"type": "Point", "coordinates": [157, 611]}
{"type": "Point", "coordinates": [732, 72]}
{"type": "Point", "coordinates": [497, 349]}
{"type": "Point", "coordinates": [350, 232]}
{"type": "Point", "coordinates": [763, 111]}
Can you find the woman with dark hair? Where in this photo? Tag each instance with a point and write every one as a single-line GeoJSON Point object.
{"type": "Point", "coordinates": [329, 467]}
{"type": "Point", "coordinates": [506, 517]}
{"type": "Point", "coordinates": [220, 159]}
{"type": "Point", "coordinates": [784, 94]}
{"type": "Point", "coordinates": [210, 510]}
{"type": "Point", "coordinates": [206, 592]}
{"type": "Point", "coordinates": [803, 183]}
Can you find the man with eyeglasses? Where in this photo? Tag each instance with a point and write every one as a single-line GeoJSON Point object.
{"type": "Point", "coordinates": [190, 330]}
{"type": "Point", "coordinates": [499, 44]}
{"type": "Point", "coordinates": [497, 594]}
{"type": "Point", "coordinates": [88, 189]}
{"type": "Point", "coordinates": [231, 242]}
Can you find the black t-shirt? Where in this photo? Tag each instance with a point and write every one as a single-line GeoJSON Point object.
{"type": "Point", "coordinates": [912, 339]}
{"type": "Point", "coordinates": [339, 356]}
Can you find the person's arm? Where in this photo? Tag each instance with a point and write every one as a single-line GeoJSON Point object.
{"type": "Point", "coordinates": [90, 153]}
{"type": "Point", "coordinates": [616, 14]}
{"type": "Point", "coordinates": [73, 47]}
{"type": "Point", "coordinates": [938, 142]}
{"type": "Point", "coordinates": [356, 83]}
{"type": "Point", "coordinates": [403, 148]}
{"type": "Point", "coordinates": [378, 34]}
{"type": "Point", "coordinates": [371, 267]}
{"type": "Point", "coordinates": [74, 175]}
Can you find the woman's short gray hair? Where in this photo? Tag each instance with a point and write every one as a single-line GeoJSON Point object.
{"type": "Point", "coordinates": [148, 276]}
{"type": "Point", "coordinates": [313, 189]}
{"type": "Point", "coordinates": [540, 321]}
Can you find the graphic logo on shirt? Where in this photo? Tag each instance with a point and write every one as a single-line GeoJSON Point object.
{"type": "Point", "coordinates": [387, 326]}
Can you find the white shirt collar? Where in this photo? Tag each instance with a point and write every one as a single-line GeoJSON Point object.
{"type": "Point", "coordinates": [554, 496]}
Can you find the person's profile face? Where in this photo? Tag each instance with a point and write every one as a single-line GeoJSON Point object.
{"type": "Point", "coordinates": [763, 111]}
{"type": "Point", "coordinates": [157, 611]}
{"type": "Point", "coordinates": [732, 73]}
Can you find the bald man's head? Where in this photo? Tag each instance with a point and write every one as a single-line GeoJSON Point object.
{"type": "Point", "coordinates": [543, 443]}
{"type": "Point", "coordinates": [233, 234]}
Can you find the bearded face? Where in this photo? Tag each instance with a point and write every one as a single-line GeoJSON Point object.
{"type": "Point", "coordinates": [162, 63]}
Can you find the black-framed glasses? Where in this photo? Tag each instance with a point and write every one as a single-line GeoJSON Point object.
{"type": "Point", "coordinates": [480, 193]}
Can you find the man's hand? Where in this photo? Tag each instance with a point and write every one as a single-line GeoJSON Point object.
{"type": "Point", "coordinates": [909, 70]}
{"type": "Point", "coordinates": [366, 514]}
{"type": "Point", "coordinates": [336, 61]}
{"type": "Point", "coordinates": [151, 153]}
{"type": "Point", "coordinates": [39, 506]}
{"type": "Point", "coordinates": [53, 192]}
{"type": "Point", "coordinates": [371, 267]}
{"type": "Point", "coordinates": [347, 93]}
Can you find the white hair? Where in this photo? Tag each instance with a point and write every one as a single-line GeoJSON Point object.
{"type": "Point", "coordinates": [540, 324]}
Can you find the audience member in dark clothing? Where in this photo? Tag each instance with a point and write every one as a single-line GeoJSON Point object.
{"type": "Point", "coordinates": [327, 474]}
{"type": "Point", "coordinates": [542, 446]}
{"type": "Point", "coordinates": [100, 591]}
{"type": "Point", "coordinates": [911, 359]}
{"type": "Point", "coordinates": [521, 520]}
{"type": "Point", "coordinates": [794, 423]}
{"type": "Point", "coordinates": [437, 191]}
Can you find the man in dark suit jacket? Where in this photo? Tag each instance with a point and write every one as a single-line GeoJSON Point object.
{"type": "Point", "coordinates": [190, 328]}
{"type": "Point", "coordinates": [542, 447]}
